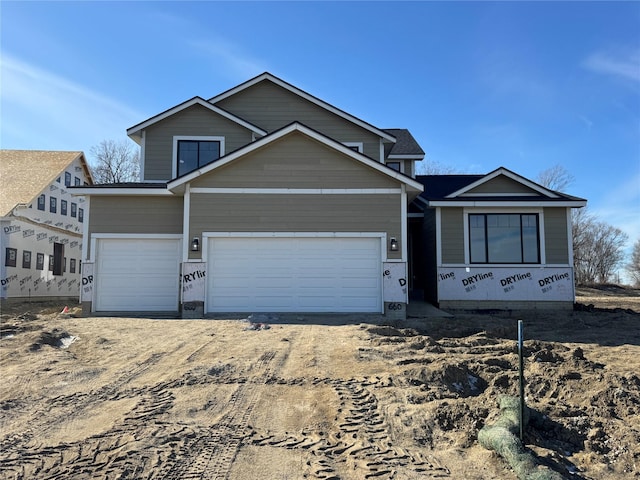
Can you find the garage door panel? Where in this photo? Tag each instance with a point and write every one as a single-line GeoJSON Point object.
{"type": "Point", "coordinates": [137, 274]}
{"type": "Point", "coordinates": [294, 274]}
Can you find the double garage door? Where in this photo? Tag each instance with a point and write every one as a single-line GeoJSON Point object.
{"type": "Point", "coordinates": [244, 274]}
{"type": "Point", "coordinates": [294, 274]}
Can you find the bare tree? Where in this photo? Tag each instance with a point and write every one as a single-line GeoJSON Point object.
{"type": "Point", "coordinates": [432, 167]}
{"type": "Point", "coordinates": [597, 248]}
{"type": "Point", "coordinates": [555, 178]}
{"type": "Point", "coordinates": [633, 267]}
{"type": "Point", "coordinates": [115, 162]}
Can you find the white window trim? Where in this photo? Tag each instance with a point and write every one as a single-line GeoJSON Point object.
{"type": "Point", "coordinates": [359, 145]}
{"type": "Point", "coordinates": [539, 211]}
{"type": "Point", "coordinates": [195, 138]}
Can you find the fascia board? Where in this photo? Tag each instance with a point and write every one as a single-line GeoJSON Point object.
{"type": "Point", "coordinates": [415, 185]}
{"type": "Point", "coordinates": [119, 191]}
{"type": "Point", "coordinates": [519, 204]}
{"type": "Point", "coordinates": [189, 103]}
{"type": "Point", "coordinates": [406, 157]}
{"type": "Point", "coordinates": [507, 173]}
{"type": "Point", "coordinates": [306, 96]}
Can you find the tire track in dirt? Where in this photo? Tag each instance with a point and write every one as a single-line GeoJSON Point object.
{"type": "Point", "coordinates": [21, 460]}
{"type": "Point", "coordinates": [362, 444]}
{"type": "Point", "coordinates": [211, 454]}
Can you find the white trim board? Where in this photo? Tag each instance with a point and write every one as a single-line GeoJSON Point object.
{"type": "Point", "coordinates": [298, 191]}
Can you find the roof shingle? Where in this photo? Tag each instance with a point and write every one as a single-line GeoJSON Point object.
{"type": "Point", "coordinates": [24, 173]}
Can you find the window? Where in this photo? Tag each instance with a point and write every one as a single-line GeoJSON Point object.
{"type": "Point", "coordinates": [394, 166]}
{"type": "Point", "coordinates": [74, 209]}
{"type": "Point", "coordinates": [195, 153]}
{"type": "Point", "coordinates": [80, 215]}
{"type": "Point", "coordinates": [53, 204]}
{"type": "Point", "coordinates": [67, 179]}
{"type": "Point", "coordinates": [41, 202]}
{"type": "Point", "coordinates": [51, 263]}
{"type": "Point", "coordinates": [11, 255]}
{"type": "Point", "coordinates": [76, 181]}
{"type": "Point", "coordinates": [58, 259]}
{"type": "Point", "coordinates": [63, 207]}
{"type": "Point", "coordinates": [72, 265]}
{"type": "Point", "coordinates": [58, 179]}
{"type": "Point", "coordinates": [26, 259]}
{"type": "Point", "coordinates": [504, 238]}
{"type": "Point", "coordinates": [355, 146]}
{"type": "Point", "coordinates": [40, 261]}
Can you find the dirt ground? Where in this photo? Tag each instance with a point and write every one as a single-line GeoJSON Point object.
{"type": "Point", "coordinates": [316, 397]}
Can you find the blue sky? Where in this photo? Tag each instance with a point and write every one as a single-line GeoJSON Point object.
{"type": "Point", "coordinates": [480, 85]}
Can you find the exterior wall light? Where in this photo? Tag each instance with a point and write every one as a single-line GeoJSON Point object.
{"type": "Point", "coordinates": [393, 244]}
{"type": "Point", "coordinates": [195, 244]}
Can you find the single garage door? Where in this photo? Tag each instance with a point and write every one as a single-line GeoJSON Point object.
{"type": "Point", "coordinates": [137, 275]}
{"type": "Point", "coordinates": [294, 274]}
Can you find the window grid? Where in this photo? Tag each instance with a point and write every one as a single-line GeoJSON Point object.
{"type": "Point", "coordinates": [504, 238]}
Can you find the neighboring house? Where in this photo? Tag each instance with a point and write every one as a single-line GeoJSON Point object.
{"type": "Point", "coordinates": [41, 223]}
{"type": "Point", "coordinates": [267, 199]}
{"type": "Point", "coordinates": [261, 199]}
{"type": "Point", "coordinates": [493, 241]}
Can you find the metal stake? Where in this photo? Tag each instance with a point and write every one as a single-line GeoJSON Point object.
{"type": "Point", "coordinates": [521, 379]}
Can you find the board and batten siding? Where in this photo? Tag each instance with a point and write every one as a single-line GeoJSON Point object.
{"type": "Point", "coordinates": [556, 239]}
{"type": "Point", "coordinates": [271, 107]}
{"type": "Point", "coordinates": [295, 161]}
{"type": "Point", "coordinates": [296, 213]}
{"type": "Point", "coordinates": [136, 214]}
{"type": "Point", "coordinates": [452, 235]}
{"type": "Point", "coordinates": [500, 184]}
{"type": "Point", "coordinates": [195, 121]}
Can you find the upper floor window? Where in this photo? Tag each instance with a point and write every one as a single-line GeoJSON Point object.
{"type": "Point", "coordinates": [80, 215]}
{"type": "Point", "coordinates": [76, 181]}
{"type": "Point", "coordinates": [355, 146]}
{"type": "Point", "coordinates": [504, 238]}
{"type": "Point", "coordinates": [74, 209]}
{"type": "Point", "coordinates": [53, 204]}
{"type": "Point", "coordinates": [41, 202]}
{"type": "Point", "coordinates": [394, 166]}
{"type": "Point", "coordinates": [192, 153]}
{"type": "Point", "coordinates": [67, 179]}
{"type": "Point", "coordinates": [63, 207]}
{"type": "Point", "coordinates": [11, 255]}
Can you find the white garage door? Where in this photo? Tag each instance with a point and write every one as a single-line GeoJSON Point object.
{"type": "Point", "coordinates": [299, 274]}
{"type": "Point", "coordinates": [137, 275]}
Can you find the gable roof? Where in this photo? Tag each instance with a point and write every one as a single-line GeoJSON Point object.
{"type": "Point", "coordinates": [411, 183]}
{"type": "Point", "coordinates": [405, 146]}
{"type": "Point", "coordinates": [134, 132]}
{"type": "Point", "coordinates": [266, 76]}
{"type": "Point", "coordinates": [457, 190]}
{"type": "Point", "coordinates": [25, 173]}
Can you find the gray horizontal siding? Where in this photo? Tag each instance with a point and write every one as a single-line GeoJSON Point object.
{"type": "Point", "coordinates": [136, 215]}
{"type": "Point", "coordinates": [452, 235]}
{"type": "Point", "coordinates": [556, 238]}
{"type": "Point", "coordinates": [296, 161]}
{"type": "Point", "coordinates": [296, 213]}
{"type": "Point", "coordinates": [501, 184]}
{"type": "Point", "coordinates": [272, 107]}
{"type": "Point", "coordinates": [195, 121]}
